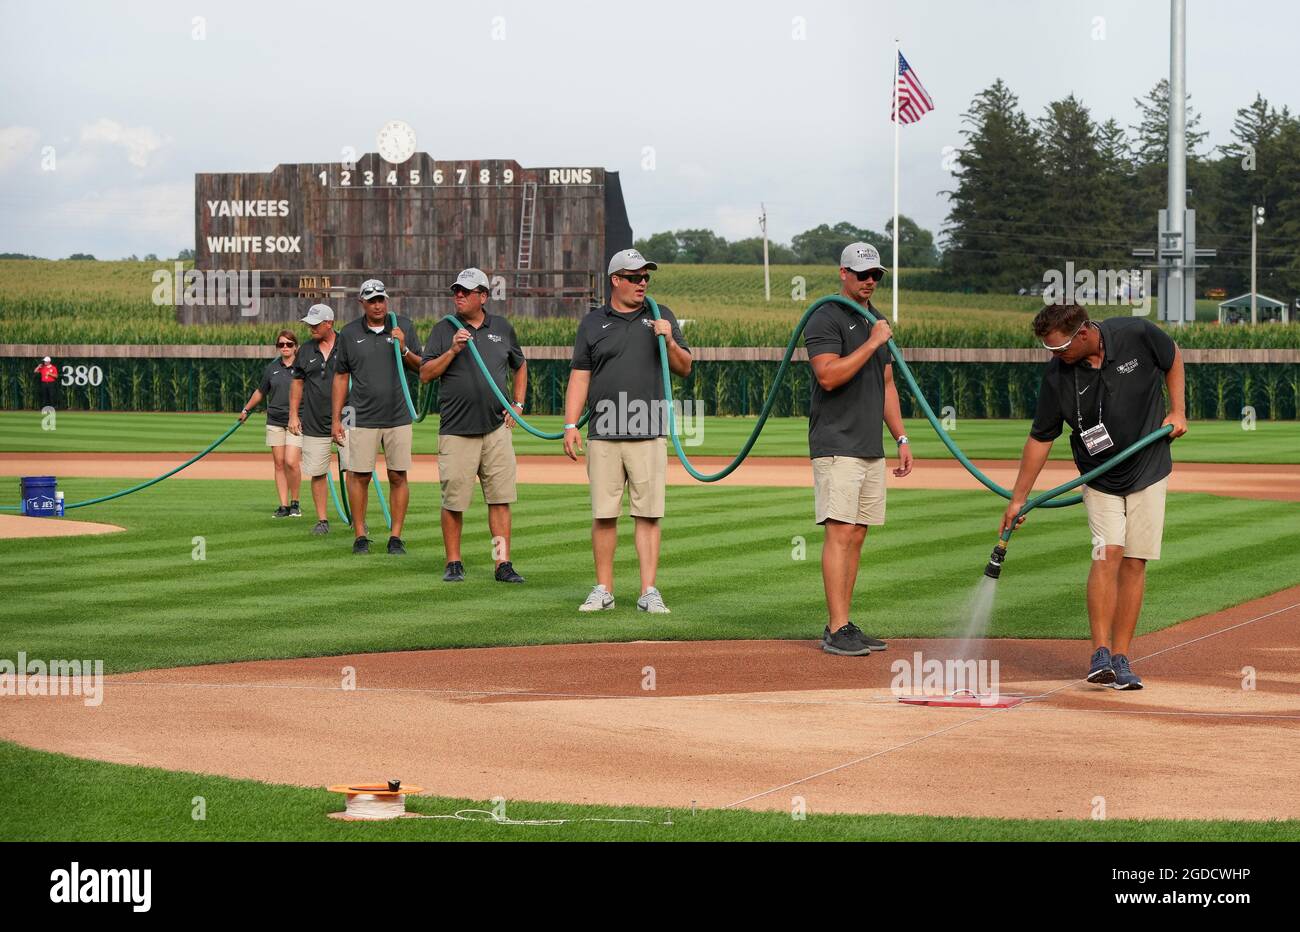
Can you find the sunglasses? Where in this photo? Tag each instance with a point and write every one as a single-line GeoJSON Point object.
{"type": "Point", "coordinates": [874, 274]}
{"type": "Point", "coordinates": [1066, 345]}
{"type": "Point", "coordinates": [634, 279]}
{"type": "Point", "coordinates": [282, 343]}
{"type": "Point", "coordinates": [458, 291]}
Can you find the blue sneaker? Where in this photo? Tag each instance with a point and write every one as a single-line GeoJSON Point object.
{"type": "Point", "coordinates": [1124, 677]}
{"type": "Point", "coordinates": [1101, 672]}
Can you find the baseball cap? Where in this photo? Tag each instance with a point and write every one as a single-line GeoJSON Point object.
{"type": "Point", "coordinates": [859, 257]}
{"type": "Point", "coordinates": [46, 359]}
{"type": "Point", "coordinates": [629, 260]}
{"type": "Point", "coordinates": [471, 280]}
{"type": "Point", "coordinates": [318, 313]}
{"type": "Point", "coordinates": [372, 288]}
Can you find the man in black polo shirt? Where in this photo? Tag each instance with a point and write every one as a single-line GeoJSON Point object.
{"type": "Point", "coordinates": [853, 392]}
{"type": "Point", "coordinates": [379, 412]}
{"type": "Point", "coordinates": [473, 429]}
{"type": "Point", "coordinates": [616, 372]}
{"type": "Point", "coordinates": [1105, 380]}
{"type": "Point", "coordinates": [310, 405]}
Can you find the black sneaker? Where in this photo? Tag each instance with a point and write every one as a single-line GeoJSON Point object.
{"type": "Point", "coordinates": [361, 545]}
{"type": "Point", "coordinates": [506, 573]}
{"type": "Point", "coordinates": [455, 572]}
{"type": "Point", "coordinates": [1125, 678]}
{"type": "Point", "coordinates": [1100, 671]}
{"type": "Point", "coordinates": [847, 641]}
{"type": "Point", "coordinates": [281, 512]}
{"type": "Point", "coordinates": [295, 510]}
{"type": "Point", "coordinates": [395, 547]}
{"type": "Point", "coordinates": [322, 527]}
{"type": "Point", "coordinates": [873, 643]}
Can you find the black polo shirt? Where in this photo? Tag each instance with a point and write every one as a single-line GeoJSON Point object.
{"type": "Point", "coordinates": [1128, 387]}
{"type": "Point", "coordinates": [376, 396]}
{"type": "Point", "coordinates": [466, 405]}
{"type": "Point", "coordinates": [627, 386]}
{"type": "Point", "coordinates": [848, 420]}
{"type": "Point", "coordinates": [276, 379]}
{"type": "Point", "coordinates": [316, 372]}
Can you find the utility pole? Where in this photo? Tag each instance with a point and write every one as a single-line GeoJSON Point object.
{"type": "Point", "coordinates": [1256, 221]}
{"type": "Point", "coordinates": [767, 272]}
{"type": "Point", "coordinates": [1176, 206]}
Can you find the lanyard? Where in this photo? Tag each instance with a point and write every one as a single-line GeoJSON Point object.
{"type": "Point", "coordinates": [1100, 385]}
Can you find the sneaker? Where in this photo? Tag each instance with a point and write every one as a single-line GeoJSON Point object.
{"type": "Point", "coordinates": [506, 573]}
{"type": "Point", "coordinates": [322, 527]}
{"type": "Point", "coordinates": [873, 643]}
{"type": "Point", "coordinates": [1101, 671]}
{"type": "Point", "coordinates": [652, 602]}
{"type": "Point", "coordinates": [1124, 677]}
{"type": "Point", "coordinates": [281, 512]}
{"type": "Point", "coordinates": [598, 601]}
{"type": "Point", "coordinates": [848, 641]}
{"type": "Point", "coordinates": [295, 510]}
{"type": "Point", "coordinates": [361, 545]}
{"type": "Point", "coordinates": [395, 547]}
{"type": "Point", "coordinates": [455, 572]}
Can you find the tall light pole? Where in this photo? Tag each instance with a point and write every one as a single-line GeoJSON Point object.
{"type": "Point", "coordinates": [1176, 204]}
{"type": "Point", "coordinates": [1256, 221]}
{"type": "Point", "coordinates": [767, 272]}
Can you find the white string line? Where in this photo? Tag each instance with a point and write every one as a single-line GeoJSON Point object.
{"type": "Point", "coordinates": [981, 717]}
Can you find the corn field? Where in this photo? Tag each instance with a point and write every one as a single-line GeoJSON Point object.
{"type": "Point", "coordinates": [974, 390]}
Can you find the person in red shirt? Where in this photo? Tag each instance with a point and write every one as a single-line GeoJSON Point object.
{"type": "Point", "coordinates": [49, 376]}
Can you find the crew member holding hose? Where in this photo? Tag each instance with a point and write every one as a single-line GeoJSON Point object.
{"type": "Point", "coordinates": [310, 405]}
{"type": "Point", "coordinates": [617, 372]}
{"type": "Point", "coordinates": [853, 392]}
{"type": "Point", "coordinates": [473, 429]}
{"type": "Point", "coordinates": [378, 406]}
{"type": "Point", "coordinates": [1104, 380]}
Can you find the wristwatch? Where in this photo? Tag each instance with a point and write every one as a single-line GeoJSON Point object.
{"type": "Point", "coordinates": [570, 426]}
{"type": "Point", "coordinates": [519, 405]}
{"type": "Point", "coordinates": [902, 440]}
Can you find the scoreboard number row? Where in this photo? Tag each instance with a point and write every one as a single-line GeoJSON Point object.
{"type": "Point", "coordinates": [349, 179]}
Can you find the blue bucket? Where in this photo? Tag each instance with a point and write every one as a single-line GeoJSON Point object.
{"type": "Point", "coordinates": [41, 498]}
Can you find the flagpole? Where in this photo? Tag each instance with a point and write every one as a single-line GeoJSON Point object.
{"type": "Point", "coordinates": [894, 279]}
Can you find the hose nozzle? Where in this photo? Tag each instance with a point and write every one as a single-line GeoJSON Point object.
{"type": "Point", "coordinates": [994, 569]}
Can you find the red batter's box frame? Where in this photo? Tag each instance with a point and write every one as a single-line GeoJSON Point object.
{"type": "Point", "coordinates": [966, 699]}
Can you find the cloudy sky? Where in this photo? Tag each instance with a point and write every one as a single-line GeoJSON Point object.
{"type": "Point", "coordinates": [706, 108]}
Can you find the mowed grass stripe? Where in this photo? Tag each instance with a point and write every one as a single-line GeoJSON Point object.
{"type": "Point", "coordinates": [270, 589]}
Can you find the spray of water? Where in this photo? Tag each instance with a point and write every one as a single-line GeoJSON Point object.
{"type": "Point", "coordinates": [978, 611]}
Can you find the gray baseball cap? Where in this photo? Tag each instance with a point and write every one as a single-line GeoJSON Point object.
{"type": "Point", "coordinates": [859, 257]}
{"type": "Point", "coordinates": [372, 288]}
{"type": "Point", "coordinates": [471, 280]}
{"type": "Point", "coordinates": [629, 260]}
{"type": "Point", "coordinates": [317, 313]}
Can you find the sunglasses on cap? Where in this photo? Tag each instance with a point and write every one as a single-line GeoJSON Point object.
{"type": "Point", "coordinates": [1066, 345]}
{"type": "Point", "coordinates": [285, 343]}
{"type": "Point", "coordinates": [636, 278]}
{"type": "Point", "coordinates": [874, 274]}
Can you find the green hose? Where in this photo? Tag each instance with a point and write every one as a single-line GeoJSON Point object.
{"type": "Point", "coordinates": [154, 481]}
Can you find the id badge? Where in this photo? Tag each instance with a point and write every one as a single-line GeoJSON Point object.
{"type": "Point", "coordinates": [1096, 439]}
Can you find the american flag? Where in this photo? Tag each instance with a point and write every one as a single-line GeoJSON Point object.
{"type": "Point", "coordinates": [913, 101]}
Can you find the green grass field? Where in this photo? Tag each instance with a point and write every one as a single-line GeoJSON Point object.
{"type": "Point", "coordinates": [114, 432]}
{"type": "Point", "coordinates": [111, 802]}
{"type": "Point", "coordinates": [139, 599]}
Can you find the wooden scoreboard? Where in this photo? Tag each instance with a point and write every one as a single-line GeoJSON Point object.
{"type": "Point", "coordinates": [315, 232]}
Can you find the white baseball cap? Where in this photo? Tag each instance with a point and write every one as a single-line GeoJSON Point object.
{"type": "Point", "coordinates": [47, 359]}
{"type": "Point", "coordinates": [859, 257]}
{"type": "Point", "coordinates": [471, 280]}
{"type": "Point", "coordinates": [372, 288]}
{"type": "Point", "coordinates": [629, 260]}
{"type": "Point", "coordinates": [318, 313]}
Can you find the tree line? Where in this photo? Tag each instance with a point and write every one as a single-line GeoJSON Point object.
{"type": "Point", "coordinates": [818, 246]}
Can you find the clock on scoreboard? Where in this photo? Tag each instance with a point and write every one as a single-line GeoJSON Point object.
{"type": "Point", "coordinates": [315, 231]}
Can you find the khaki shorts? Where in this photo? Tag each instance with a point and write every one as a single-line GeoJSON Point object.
{"type": "Point", "coordinates": [1135, 522]}
{"type": "Point", "coordinates": [491, 457]}
{"type": "Point", "coordinates": [849, 489]}
{"type": "Point", "coordinates": [280, 437]}
{"type": "Point", "coordinates": [363, 445]}
{"type": "Point", "coordinates": [316, 456]}
{"type": "Point", "coordinates": [638, 466]}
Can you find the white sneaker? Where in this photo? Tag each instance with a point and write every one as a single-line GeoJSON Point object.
{"type": "Point", "coordinates": [599, 600]}
{"type": "Point", "coordinates": [652, 602]}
